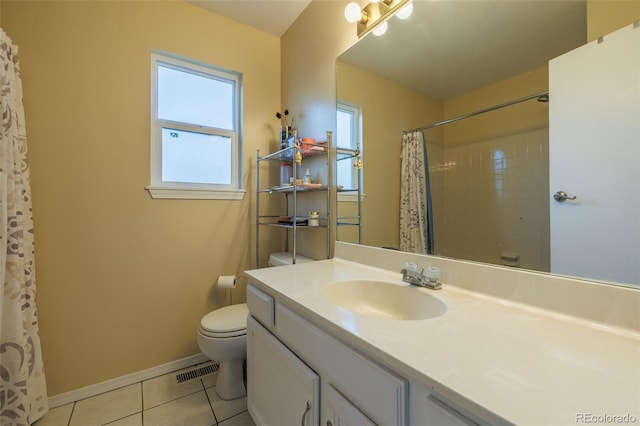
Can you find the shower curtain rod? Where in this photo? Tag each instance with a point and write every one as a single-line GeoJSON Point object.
{"type": "Point", "coordinates": [482, 111]}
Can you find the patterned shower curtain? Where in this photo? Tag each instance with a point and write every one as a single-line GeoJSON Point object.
{"type": "Point", "coordinates": [23, 393]}
{"type": "Point", "coordinates": [416, 224]}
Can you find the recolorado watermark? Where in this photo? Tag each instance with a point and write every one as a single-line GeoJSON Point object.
{"type": "Point", "coordinates": [603, 418]}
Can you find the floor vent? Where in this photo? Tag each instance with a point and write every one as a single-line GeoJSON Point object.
{"type": "Point", "coordinates": [197, 372]}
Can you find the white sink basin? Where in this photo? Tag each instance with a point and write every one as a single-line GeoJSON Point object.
{"type": "Point", "coordinates": [381, 299]}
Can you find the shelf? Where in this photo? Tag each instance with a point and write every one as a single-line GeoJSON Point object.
{"type": "Point", "coordinates": [292, 204]}
{"type": "Point", "coordinates": [287, 189]}
{"type": "Point", "coordinates": [345, 153]}
{"type": "Point", "coordinates": [290, 226]}
{"type": "Point", "coordinates": [287, 154]}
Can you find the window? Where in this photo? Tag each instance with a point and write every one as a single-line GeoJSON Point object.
{"type": "Point", "coordinates": [349, 135]}
{"type": "Point", "coordinates": [195, 130]}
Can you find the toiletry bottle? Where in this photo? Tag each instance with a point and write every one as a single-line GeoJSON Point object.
{"type": "Point", "coordinates": [286, 171]}
{"type": "Point", "coordinates": [314, 219]}
{"type": "Point", "coordinates": [307, 177]}
{"type": "Point", "coordinates": [283, 137]}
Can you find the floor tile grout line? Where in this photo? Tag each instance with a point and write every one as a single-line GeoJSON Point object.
{"type": "Point", "coordinates": [71, 414]}
{"type": "Point", "coordinates": [121, 418]}
{"type": "Point", "coordinates": [206, 394]}
{"type": "Point", "coordinates": [204, 389]}
{"type": "Point", "coordinates": [104, 393]}
{"type": "Point", "coordinates": [236, 415]}
{"type": "Point", "coordinates": [142, 402]}
{"type": "Point", "coordinates": [174, 399]}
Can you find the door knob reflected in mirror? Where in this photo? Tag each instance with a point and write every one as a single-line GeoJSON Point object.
{"type": "Point", "coordinates": [560, 196]}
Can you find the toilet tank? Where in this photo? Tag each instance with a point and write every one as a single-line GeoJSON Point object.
{"type": "Point", "coordinates": [284, 258]}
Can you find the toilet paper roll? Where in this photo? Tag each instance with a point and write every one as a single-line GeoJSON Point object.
{"type": "Point", "coordinates": [227, 281]}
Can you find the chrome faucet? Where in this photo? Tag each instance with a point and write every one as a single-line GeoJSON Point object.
{"type": "Point", "coordinates": [413, 275]}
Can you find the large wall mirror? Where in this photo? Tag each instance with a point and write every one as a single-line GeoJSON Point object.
{"type": "Point", "coordinates": [489, 173]}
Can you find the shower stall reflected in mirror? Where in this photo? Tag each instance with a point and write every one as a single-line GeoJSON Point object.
{"type": "Point", "coordinates": [489, 183]}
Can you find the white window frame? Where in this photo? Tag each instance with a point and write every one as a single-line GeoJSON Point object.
{"type": "Point", "coordinates": [356, 138]}
{"type": "Point", "coordinates": [192, 190]}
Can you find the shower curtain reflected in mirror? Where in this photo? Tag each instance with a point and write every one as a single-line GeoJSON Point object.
{"type": "Point", "coordinates": [23, 393]}
{"type": "Point", "coordinates": [488, 182]}
{"type": "Point", "coordinates": [416, 223]}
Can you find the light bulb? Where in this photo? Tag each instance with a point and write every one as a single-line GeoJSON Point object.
{"type": "Point", "coordinates": [352, 12]}
{"type": "Point", "coordinates": [405, 11]}
{"type": "Point", "coordinates": [380, 29]}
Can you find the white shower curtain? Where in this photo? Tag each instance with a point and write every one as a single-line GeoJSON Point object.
{"type": "Point", "coordinates": [416, 235]}
{"type": "Point", "coordinates": [23, 393]}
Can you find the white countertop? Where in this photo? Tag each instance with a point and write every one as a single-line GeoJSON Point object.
{"type": "Point", "coordinates": [526, 365]}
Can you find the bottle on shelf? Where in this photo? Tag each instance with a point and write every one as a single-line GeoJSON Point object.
{"type": "Point", "coordinates": [307, 177]}
{"type": "Point", "coordinates": [286, 171]}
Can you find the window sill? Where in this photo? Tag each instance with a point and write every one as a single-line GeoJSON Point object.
{"type": "Point", "coordinates": [350, 198]}
{"type": "Point", "coordinates": [158, 192]}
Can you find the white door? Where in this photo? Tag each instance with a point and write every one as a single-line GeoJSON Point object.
{"type": "Point", "coordinates": [282, 390]}
{"type": "Point", "coordinates": [594, 155]}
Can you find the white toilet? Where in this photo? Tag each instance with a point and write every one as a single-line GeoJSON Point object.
{"type": "Point", "coordinates": [222, 337]}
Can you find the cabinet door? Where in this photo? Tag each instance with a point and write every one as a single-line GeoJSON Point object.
{"type": "Point", "coordinates": [440, 414]}
{"type": "Point", "coordinates": [375, 390]}
{"type": "Point", "coordinates": [282, 390]}
{"type": "Point", "coordinates": [339, 411]}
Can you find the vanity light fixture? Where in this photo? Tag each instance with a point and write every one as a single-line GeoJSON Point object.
{"type": "Point", "coordinates": [373, 16]}
{"type": "Point", "coordinates": [405, 11]}
{"type": "Point", "coordinates": [352, 13]}
{"type": "Point", "coordinates": [380, 29]}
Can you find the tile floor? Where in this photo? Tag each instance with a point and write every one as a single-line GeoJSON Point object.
{"type": "Point", "coordinates": [154, 402]}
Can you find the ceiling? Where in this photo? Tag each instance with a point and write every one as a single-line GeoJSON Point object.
{"type": "Point", "coordinates": [271, 16]}
{"type": "Point", "coordinates": [447, 48]}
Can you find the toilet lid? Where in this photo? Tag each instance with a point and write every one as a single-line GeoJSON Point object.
{"type": "Point", "coordinates": [226, 320]}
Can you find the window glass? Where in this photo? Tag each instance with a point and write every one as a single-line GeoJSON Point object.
{"type": "Point", "coordinates": [195, 129]}
{"type": "Point", "coordinates": [193, 98]}
{"type": "Point", "coordinates": [195, 157]}
{"type": "Point", "coordinates": [345, 129]}
{"type": "Point", "coordinates": [348, 136]}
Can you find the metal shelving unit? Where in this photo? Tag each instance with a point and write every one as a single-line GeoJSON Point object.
{"type": "Point", "coordinates": [291, 194]}
{"type": "Point", "coordinates": [347, 154]}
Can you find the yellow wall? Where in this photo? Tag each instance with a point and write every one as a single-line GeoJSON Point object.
{"type": "Point", "coordinates": [507, 120]}
{"type": "Point", "coordinates": [309, 51]}
{"type": "Point", "coordinates": [387, 111]}
{"type": "Point", "coordinates": [605, 16]}
{"type": "Point", "coordinates": [123, 280]}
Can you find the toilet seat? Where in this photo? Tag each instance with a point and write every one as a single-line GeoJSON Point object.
{"type": "Point", "coordinates": [230, 321]}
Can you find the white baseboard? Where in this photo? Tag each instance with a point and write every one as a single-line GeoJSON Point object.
{"type": "Point", "coordinates": [129, 379]}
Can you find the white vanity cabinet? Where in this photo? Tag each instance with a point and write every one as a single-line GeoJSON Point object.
{"type": "Point", "coordinates": [292, 361]}
{"type": "Point", "coordinates": [288, 355]}
{"type": "Point", "coordinates": [283, 390]}
{"type": "Point", "coordinates": [339, 411]}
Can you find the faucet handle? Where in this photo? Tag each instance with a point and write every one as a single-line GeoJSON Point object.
{"type": "Point", "coordinates": [433, 274]}
{"type": "Point", "coordinates": [412, 267]}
